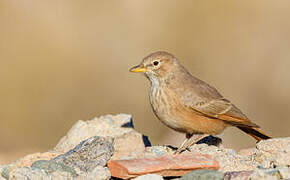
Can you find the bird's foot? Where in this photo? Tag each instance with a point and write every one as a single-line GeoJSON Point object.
{"type": "Point", "coordinates": [181, 149]}
{"type": "Point", "coordinates": [189, 142]}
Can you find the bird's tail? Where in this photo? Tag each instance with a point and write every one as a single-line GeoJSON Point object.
{"type": "Point", "coordinates": [254, 132]}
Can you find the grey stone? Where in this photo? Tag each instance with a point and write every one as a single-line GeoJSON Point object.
{"type": "Point", "coordinates": [45, 171]}
{"type": "Point", "coordinates": [40, 170]}
{"type": "Point", "coordinates": [1, 170]}
{"type": "Point", "coordinates": [52, 166]}
{"type": "Point", "coordinates": [237, 175]}
{"type": "Point", "coordinates": [204, 174]}
{"type": "Point", "coordinates": [89, 154]}
{"type": "Point", "coordinates": [52, 170]}
{"type": "Point", "coordinates": [267, 174]}
{"type": "Point", "coordinates": [5, 171]}
{"type": "Point", "coordinates": [26, 174]}
{"type": "Point", "coordinates": [149, 177]}
{"type": "Point", "coordinates": [85, 161]}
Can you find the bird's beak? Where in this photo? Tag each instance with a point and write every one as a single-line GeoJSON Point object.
{"type": "Point", "coordinates": [138, 68]}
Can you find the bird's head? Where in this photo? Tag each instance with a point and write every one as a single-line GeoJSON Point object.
{"type": "Point", "coordinates": [157, 65]}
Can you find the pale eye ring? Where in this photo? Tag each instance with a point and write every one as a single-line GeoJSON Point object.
{"type": "Point", "coordinates": [155, 63]}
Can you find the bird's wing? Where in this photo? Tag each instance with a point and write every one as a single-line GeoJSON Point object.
{"type": "Point", "coordinates": [219, 108]}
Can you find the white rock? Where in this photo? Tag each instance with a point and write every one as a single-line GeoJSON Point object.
{"type": "Point", "coordinates": [99, 173]}
{"type": "Point", "coordinates": [149, 177]}
{"type": "Point", "coordinates": [127, 141]}
{"type": "Point", "coordinates": [103, 126]}
{"type": "Point", "coordinates": [228, 159]}
{"type": "Point", "coordinates": [285, 172]}
{"type": "Point", "coordinates": [273, 152]}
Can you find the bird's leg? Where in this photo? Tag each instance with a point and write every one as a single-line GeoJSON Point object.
{"type": "Point", "coordinates": [181, 147]}
{"type": "Point", "coordinates": [189, 141]}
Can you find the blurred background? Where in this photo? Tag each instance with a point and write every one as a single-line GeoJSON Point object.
{"type": "Point", "coordinates": [61, 61]}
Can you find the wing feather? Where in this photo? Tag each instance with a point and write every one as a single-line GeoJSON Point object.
{"type": "Point", "coordinates": [219, 108]}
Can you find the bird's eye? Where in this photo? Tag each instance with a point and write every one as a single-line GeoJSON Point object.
{"type": "Point", "coordinates": [155, 63]}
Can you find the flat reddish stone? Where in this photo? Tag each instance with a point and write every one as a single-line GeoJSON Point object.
{"type": "Point", "coordinates": [169, 165]}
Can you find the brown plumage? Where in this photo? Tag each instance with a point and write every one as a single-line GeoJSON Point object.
{"type": "Point", "coordinates": [188, 104]}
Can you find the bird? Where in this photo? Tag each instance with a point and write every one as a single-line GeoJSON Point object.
{"type": "Point", "coordinates": [189, 105]}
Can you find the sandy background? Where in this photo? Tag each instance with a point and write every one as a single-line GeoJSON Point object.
{"type": "Point", "coordinates": [61, 61]}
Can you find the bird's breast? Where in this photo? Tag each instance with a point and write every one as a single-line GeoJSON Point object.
{"type": "Point", "coordinates": [163, 103]}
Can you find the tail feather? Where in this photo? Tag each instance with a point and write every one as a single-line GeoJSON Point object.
{"type": "Point", "coordinates": [254, 132]}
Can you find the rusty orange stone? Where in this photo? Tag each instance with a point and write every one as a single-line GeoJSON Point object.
{"type": "Point", "coordinates": [168, 165]}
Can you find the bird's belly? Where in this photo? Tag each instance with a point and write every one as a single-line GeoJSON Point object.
{"type": "Point", "coordinates": [192, 123]}
{"type": "Point", "coordinates": [182, 119]}
{"type": "Point", "coordinates": [172, 123]}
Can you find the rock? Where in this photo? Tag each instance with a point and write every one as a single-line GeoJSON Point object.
{"type": "Point", "coordinates": [85, 161]}
{"type": "Point", "coordinates": [1, 177]}
{"type": "Point", "coordinates": [52, 170]}
{"type": "Point", "coordinates": [158, 151]}
{"type": "Point", "coordinates": [129, 145]}
{"type": "Point", "coordinates": [21, 167]}
{"type": "Point", "coordinates": [168, 165]}
{"type": "Point", "coordinates": [82, 154]}
{"type": "Point", "coordinates": [89, 146]}
{"type": "Point", "coordinates": [5, 171]}
{"type": "Point", "coordinates": [98, 173]}
{"type": "Point", "coordinates": [149, 177]}
{"type": "Point", "coordinates": [59, 175]}
{"type": "Point", "coordinates": [29, 159]}
{"type": "Point", "coordinates": [113, 126]}
{"type": "Point", "coordinates": [120, 127]}
{"type": "Point", "coordinates": [203, 174]}
{"type": "Point", "coordinates": [90, 153]}
{"type": "Point", "coordinates": [273, 153]}
{"type": "Point", "coordinates": [247, 152]}
{"type": "Point", "coordinates": [284, 172]}
{"type": "Point", "coordinates": [52, 166]}
{"type": "Point", "coordinates": [237, 175]}
{"type": "Point", "coordinates": [27, 173]}
{"type": "Point", "coordinates": [271, 174]}
{"type": "Point", "coordinates": [228, 159]}
{"type": "Point", "coordinates": [1, 170]}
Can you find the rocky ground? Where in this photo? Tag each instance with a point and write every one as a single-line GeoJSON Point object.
{"type": "Point", "coordinates": [108, 147]}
